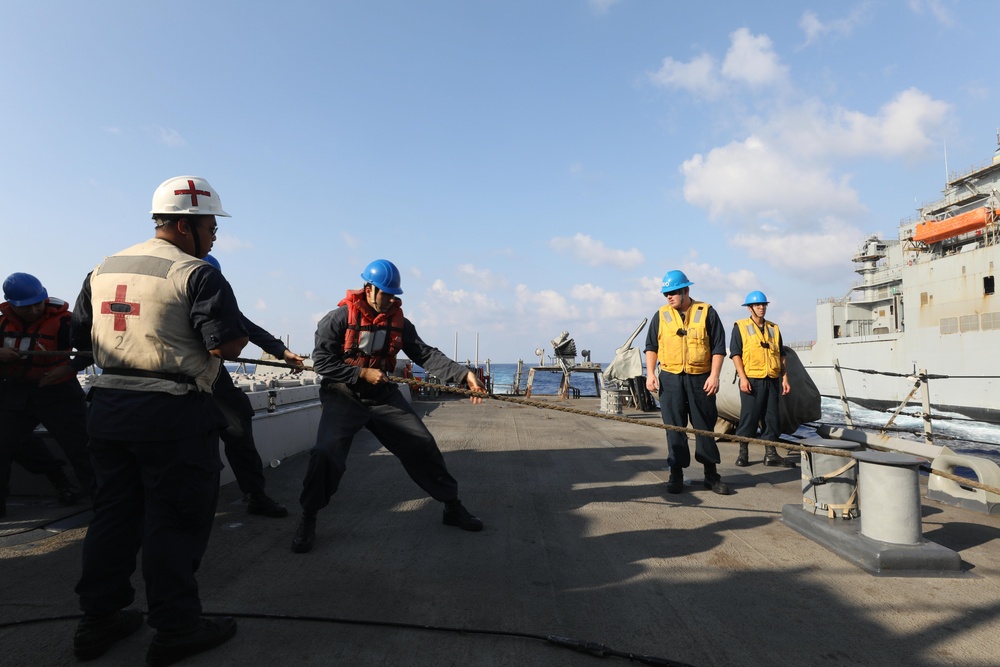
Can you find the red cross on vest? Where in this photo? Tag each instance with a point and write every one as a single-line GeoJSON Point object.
{"type": "Point", "coordinates": [193, 192]}
{"type": "Point", "coordinates": [120, 308]}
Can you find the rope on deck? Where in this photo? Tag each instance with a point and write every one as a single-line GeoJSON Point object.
{"type": "Point", "coordinates": [964, 481]}
{"type": "Point", "coordinates": [420, 384]}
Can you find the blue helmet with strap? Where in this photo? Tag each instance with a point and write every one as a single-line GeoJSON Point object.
{"type": "Point", "coordinates": [675, 280]}
{"type": "Point", "coordinates": [384, 275]}
{"type": "Point", "coordinates": [755, 297]}
{"type": "Point", "coordinates": [23, 289]}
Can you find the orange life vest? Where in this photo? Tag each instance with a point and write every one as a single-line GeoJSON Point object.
{"type": "Point", "coordinates": [372, 339]}
{"type": "Point", "coordinates": [40, 336]}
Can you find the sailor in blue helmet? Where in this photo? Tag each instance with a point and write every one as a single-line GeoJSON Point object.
{"type": "Point", "coordinates": [356, 349]}
{"type": "Point", "coordinates": [40, 389]}
{"type": "Point", "coordinates": [685, 348]}
{"type": "Point", "coordinates": [756, 351]}
{"type": "Point", "coordinates": [240, 448]}
{"type": "Point", "coordinates": [160, 322]}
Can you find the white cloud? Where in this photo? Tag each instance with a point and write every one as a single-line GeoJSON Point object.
{"type": "Point", "coordinates": [752, 60]}
{"type": "Point", "coordinates": [821, 251]}
{"type": "Point", "coordinates": [602, 6]}
{"type": "Point", "coordinates": [751, 180]}
{"type": "Point", "coordinates": [548, 305]}
{"type": "Point", "coordinates": [585, 249]}
{"type": "Point", "coordinates": [699, 76]}
{"type": "Point", "coordinates": [260, 304]}
{"type": "Point", "coordinates": [815, 29]}
{"type": "Point", "coordinates": [906, 126]}
{"type": "Point", "coordinates": [350, 240]}
{"type": "Point", "coordinates": [230, 243]}
{"type": "Point", "coordinates": [168, 136]}
{"type": "Point", "coordinates": [936, 8]}
{"type": "Point", "coordinates": [446, 306]}
{"type": "Point", "coordinates": [482, 277]}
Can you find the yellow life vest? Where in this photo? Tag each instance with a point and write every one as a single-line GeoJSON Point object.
{"type": "Point", "coordinates": [690, 352]}
{"type": "Point", "coordinates": [760, 361]}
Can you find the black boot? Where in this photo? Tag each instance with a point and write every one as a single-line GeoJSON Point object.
{"type": "Point", "coordinates": [676, 482]}
{"type": "Point", "coordinates": [743, 460]}
{"type": "Point", "coordinates": [456, 515]}
{"type": "Point", "coordinates": [96, 633]}
{"type": "Point", "coordinates": [67, 494]}
{"type": "Point", "coordinates": [773, 459]}
{"type": "Point", "coordinates": [170, 646]}
{"type": "Point", "coordinates": [714, 481]}
{"type": "Point", "coordinates": [260, 503]}
{"type": "Point", "coordinates": [304, 534]}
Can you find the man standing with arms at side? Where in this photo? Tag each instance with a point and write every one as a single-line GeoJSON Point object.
{"type": "Point", "coordinates": [159, 321]}
{"type": "Point", "coordinates": [685, 348]}
{"type": "Point", "coordinates": [755, 348]}
{"type": "Point", "coordinates": [356, 347]}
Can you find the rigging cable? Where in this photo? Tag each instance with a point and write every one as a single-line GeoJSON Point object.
{"type": "Point", "coordinates": [579, 645]}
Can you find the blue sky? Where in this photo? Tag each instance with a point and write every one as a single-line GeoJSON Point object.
{"type": "Point", "coordinates": [531, 167]}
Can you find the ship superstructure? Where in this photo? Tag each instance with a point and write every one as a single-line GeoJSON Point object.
{"type": "Point", "coordinates": [926, 301]}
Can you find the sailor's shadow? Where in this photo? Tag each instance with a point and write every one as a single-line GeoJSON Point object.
{"type": "Point", "coordinates": [640, 545]}
{"type": "Point", "coordinates": [959, 536]}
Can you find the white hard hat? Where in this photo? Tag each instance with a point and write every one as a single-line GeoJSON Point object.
{"type": "Point", "coordinates": [187, 194]}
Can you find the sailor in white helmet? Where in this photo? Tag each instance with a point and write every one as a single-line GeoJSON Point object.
{"type": "Point", "coordinates": [160, 322]}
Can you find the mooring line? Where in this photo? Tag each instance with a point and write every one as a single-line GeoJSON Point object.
{"type": "Point", "coordinates": [964, 481]}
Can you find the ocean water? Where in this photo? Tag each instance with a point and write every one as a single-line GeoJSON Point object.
{"type": "Point", "coordinates": [960, 434]}
{"type": "Point", "coordinates": [545, 383]}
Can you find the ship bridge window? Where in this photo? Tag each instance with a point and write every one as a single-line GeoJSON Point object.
{"type": "Point", "coordinates": [923, 298]}
{"type": "Point", "coordinates": [990, 321]}
{"type": "Point", "coordinates": [988, 285]}
{"type": "Point", "coordinates": [968, 323]}
{"type": "Point", "coordinates": [949, 325]}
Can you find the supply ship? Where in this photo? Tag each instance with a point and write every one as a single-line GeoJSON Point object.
{"type": "Point", "coordinates": [924, 311]}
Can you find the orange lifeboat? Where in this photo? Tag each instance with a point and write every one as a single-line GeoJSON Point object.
{"type": "Point", "coordinates": [932, 231]}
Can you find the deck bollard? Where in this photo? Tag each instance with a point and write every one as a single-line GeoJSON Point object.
{"type": "Point", "coordinates": [829, 482]}
{"type": "Point", "coordinates": [889, 490]}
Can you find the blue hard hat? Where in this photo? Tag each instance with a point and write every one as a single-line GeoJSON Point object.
{"type": "Point", "coordinates": [213, 261]}
{"type": "Point", "coordinates": [675, 280]}
{"type": "Point", "coordinates": [384, 275]}
{"type": "Point", "coordinates": [23, 289]}
{"type": "Point", "coordinates": [755, 297]}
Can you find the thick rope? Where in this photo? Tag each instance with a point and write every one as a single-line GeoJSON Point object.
{"type": "Point", "coordinates": [964, 481]}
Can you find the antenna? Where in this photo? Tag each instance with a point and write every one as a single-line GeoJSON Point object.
{"type": "Point", "coordinates": [945, 162]}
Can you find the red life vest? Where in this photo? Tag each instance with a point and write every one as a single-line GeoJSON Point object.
{"type": "Point", "coordinates": [372, 339]}
{"type": "Point", "coordinates": [41, 335]}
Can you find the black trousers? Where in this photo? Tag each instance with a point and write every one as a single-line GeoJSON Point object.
{"type": "Point", "coordinates": [683, 398]}
{"type": "Point", "coordinates": [761, 405]}
{"type": "Point", "coordinates": [62, 410]}
{"type": "Point", "coordinates": [397, 427]}
{"type": "Point", "coordinates": [240, 448]}
{"type": "Point", "coordinates": [160, 496]}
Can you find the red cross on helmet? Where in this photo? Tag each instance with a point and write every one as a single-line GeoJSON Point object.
{"type": "Point", "coordinates": [187, 195]}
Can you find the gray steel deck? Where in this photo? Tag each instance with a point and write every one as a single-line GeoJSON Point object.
{"type": "Point", "coordinates": [581, 541]}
